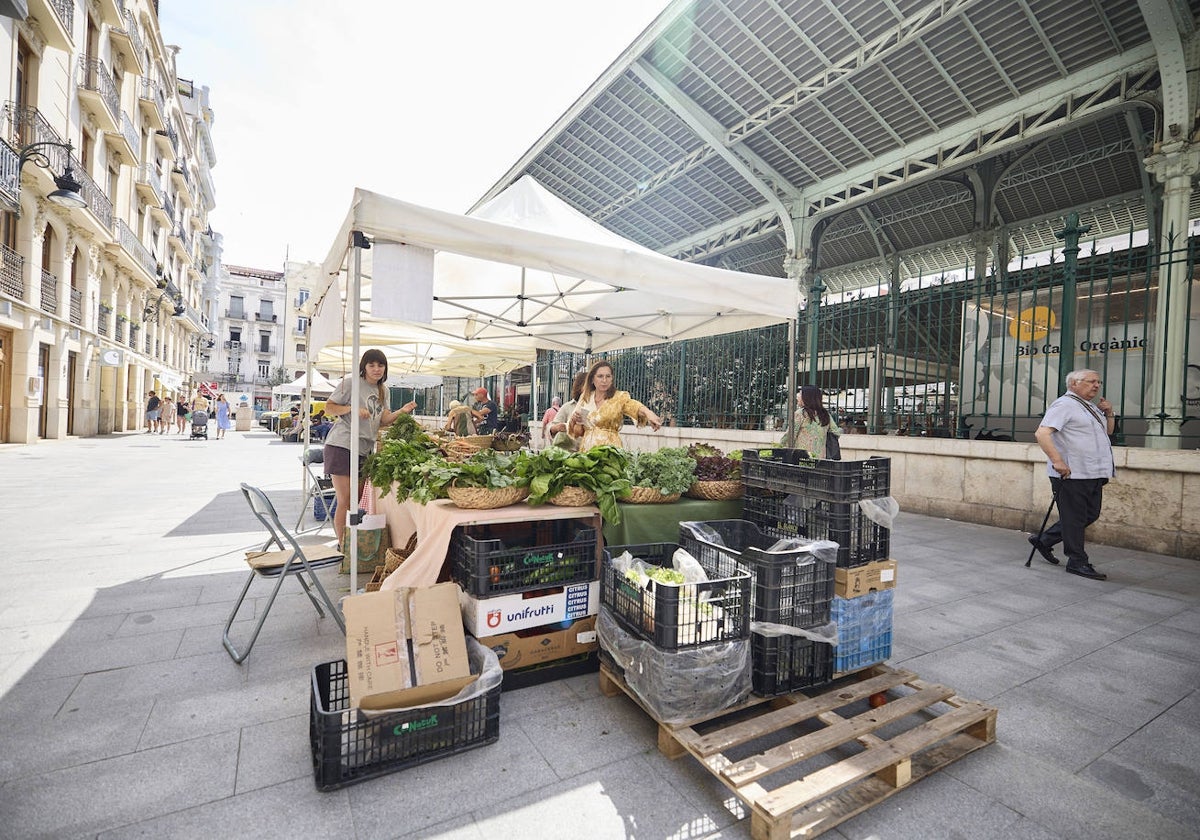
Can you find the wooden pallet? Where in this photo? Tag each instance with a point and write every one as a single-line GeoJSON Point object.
{"type": "Point", "coordinates": [874, 767]}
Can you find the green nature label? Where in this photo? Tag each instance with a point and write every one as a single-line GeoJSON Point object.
{"type": "Point", "coordinates": [415, 725]}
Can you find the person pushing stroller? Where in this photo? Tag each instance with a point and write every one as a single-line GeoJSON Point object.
{"type": "Point", "coordinates": [199, 418]}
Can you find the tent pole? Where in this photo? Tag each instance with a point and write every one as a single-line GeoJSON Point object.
{"type": "Point", "coordinates": [352, 300]}
{"type": "Point", "coordinates": [790, 423]}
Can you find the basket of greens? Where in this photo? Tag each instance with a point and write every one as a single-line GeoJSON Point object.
{"type": "Point", "coordinates": [659, 477]}
{"type": "Point", "coordinates": [718, 476]}
{"type": "Point", "coordinates": [600, 470]}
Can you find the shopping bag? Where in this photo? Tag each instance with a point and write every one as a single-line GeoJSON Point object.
{"type": "Point", "coordinates": [323, 511]}
{"type": "Point", "coordinates": [373, 544]}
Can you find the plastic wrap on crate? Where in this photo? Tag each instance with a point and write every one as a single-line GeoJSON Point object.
{"type": "Point", "coordinates": [793, 577]}
{"type": "Point", "coordinates": [860, 540]}
{"type": "Point", "coordinates": [678, 685]}
{"type": "Point", "coordinates": [864, 629]}
{"type": "Point", "coordinates": [710, 605]}
{"type": "Point", "coordinates": [483, 661]}
{"type": "Point", "coordinates": [882, 511]}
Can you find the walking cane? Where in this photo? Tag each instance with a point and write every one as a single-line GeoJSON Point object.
{"type": "Point", "coordinates": [1053, 502]}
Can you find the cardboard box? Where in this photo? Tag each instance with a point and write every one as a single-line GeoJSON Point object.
{"type": "Point", "coordinates": [521, 610]}
{"type": "Point", "coordinates": [863, 579]}
{"type": "Point", "coordinates": [544, 644]}
{"type": "Point", "coordinates": [405, 647]}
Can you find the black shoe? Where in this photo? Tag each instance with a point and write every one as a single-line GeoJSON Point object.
{"type": "Point", "coordinates": [1044, 550]}
{"type": "Point", "coordinates": [1086, 571]}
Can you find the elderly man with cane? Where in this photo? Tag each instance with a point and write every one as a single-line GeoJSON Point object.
{"type": "Point", "coordinates": [1074, 434]}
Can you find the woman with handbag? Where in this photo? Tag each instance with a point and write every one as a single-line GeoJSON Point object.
{"type": "Point", "coordinates": [815, 430]}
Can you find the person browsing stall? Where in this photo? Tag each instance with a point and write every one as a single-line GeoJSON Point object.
{"type": "Point", "coordinates": [813, 425]}
{"type": "Point", "coordinates": [602, 409]}
{"type": "Point", "coordinates": [485, 411]}
{"type": "Point", "coordinates": [548, 417]}
{"type": "Point", "coordinates": [372, 413]}
{"type": "Point", "coordinates": [458, 419]}
{"type": "Point", "coordinates": [1074, 435]}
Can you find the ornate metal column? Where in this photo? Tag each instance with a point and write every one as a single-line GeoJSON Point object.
{"type": "Point", "coordinates": [1070, 236]}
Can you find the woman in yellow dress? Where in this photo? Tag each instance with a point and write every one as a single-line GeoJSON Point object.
{"type": "Point", "coordinates": [602, 409]}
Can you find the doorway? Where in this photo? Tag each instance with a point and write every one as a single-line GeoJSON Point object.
{"type": "Point", "coordinates": [6, 344]}
{"type": "Point", "coordinates": [72, 361]}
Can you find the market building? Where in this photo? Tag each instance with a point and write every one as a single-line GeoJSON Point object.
{"type": "Point", "coordinates": [105, 189]}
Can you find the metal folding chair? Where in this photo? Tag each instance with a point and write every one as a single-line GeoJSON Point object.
{"type": "Point", "coordinates": [289, 558]}
{"type": "Point", "coordinates": [320, 486]}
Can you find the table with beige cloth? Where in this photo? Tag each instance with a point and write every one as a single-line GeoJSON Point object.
{"type": "Point", "coordinates": [434, 524]}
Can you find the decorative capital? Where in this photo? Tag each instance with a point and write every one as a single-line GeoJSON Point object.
{"type": "Point", "coordinates": [1177, 159]}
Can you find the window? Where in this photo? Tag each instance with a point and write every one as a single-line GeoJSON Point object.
{"type": "Point", "coordinates": [235, 335]}
{"type": "Point", "coordinates": [303, 297]}
{"type": "Point", "coordinates": [264, 369]}
{"type": "Point", "coordinates": [302, 325]}
{"type": "Point", "coordinates": [265, 309]}
{"type": "Point", "coordinates": [264, 342]}
{"type": "Point", "coordinates": [237, 306]}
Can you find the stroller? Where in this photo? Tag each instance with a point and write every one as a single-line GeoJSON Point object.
{"type": "Point", "coordinates": [199, 425]}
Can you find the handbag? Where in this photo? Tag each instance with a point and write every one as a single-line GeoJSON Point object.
{"type": "Point", "coordinates": [373, 544]}
{"type": "Point", "coordinates": [833, 447]}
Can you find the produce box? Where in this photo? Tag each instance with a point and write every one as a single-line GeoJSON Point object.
{"type": "Point", "coordinates": [859, 580]}
{"type": "Point", "coordinates": [674, 615]}
{"type": "Point", "coordinates": [521, 610]}
{"type": "Point", "coordinates": [405, 647]}
{"type": "Point", "coordinates": [860, 540]}
{"type": "Point", "coordinates": [547, 643]}
{"type": "Point", "coordinates": [503, 557]}
{"type": "Point", "coordinates": [783, 664]}
{"type": "Point", "coordinates": [792, 471]}
{"type": "Point", "coordinates": [864, 630]}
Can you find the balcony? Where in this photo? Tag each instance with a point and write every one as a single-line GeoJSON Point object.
{"type": "Point", "coordinates": [235, 346]}
{"type": "Point", "coordinates": [111, 11]}
{"type": "Point", "coordinates": [138, 253]}
{"type": "Point", "coordinates": [300, 331]}
{"type": "Point", "coordinates": [98, 92]}
{"type": "Point", "coordinates": [12, 271]}
{"type": "Point", "coordinates": [164, 211]}
{"type": "Point", "coordinates": [76, 307]}
{"type": "Point", "coordinates": [183, 183]}
{"type": "Point", "coordinates": [180, 240]}
{"type": "Point", "coordinates": [10, 177]}
{"type": "Point", "coordinates": [167, 141]}
{"type": "Point", "coordinates": [235, 314]}
{"type": "Point", "coordinates": [56, 19]}
{"type": "Point", "coordinates": [23, 125]}
{"type": "Point", "coordinates": [153, 105]}
{"type": "Point", "coordinates": [265, 350]}
{"type": "Point", "coordinates": [127, 42]}
{"type": "Point", "coordinates": [97, 201]}
{"type": "Point", "coordinates": [102, 323]}
{"type": "Point", "coordinates": [148, 185]}
{"type": "Point", "coordinates": [265, 316]}
{"type": "Point", "coordinates": [49, 293]}
{"type": "Point", "coordinates": [125, 142]}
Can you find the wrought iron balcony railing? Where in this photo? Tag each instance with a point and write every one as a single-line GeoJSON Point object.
{"type": "Point", "coordinates": [49, 292]}
{"type": "Point", "coordinates": [12, 271]}
{"type": "Point", "coordinates": [133, 244]}
{"type": "Point", "coordinates": [93, 75]}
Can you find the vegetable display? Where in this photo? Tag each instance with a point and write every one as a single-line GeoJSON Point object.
{"type": "Point", "coordinates": [669, 470]}
{"type": "Point", "coordinates": [601, 469]}
{"type": "Point", "coordinates": [714, 465]}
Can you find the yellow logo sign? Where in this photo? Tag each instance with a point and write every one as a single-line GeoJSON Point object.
{"type": "Point", "coordinates": [1032, 324]}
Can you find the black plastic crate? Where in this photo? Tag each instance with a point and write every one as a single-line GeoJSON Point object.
{"type": "Point", "coordinates": [859, 539]}
{"type": "Point", "coordinates": [348, 747]}
{"type": "Point", "coordinates": [789, 587]}
{"type": "Point", "coordinates": [678, 617]}
{"type": "Point", "coordinates": [505, 557]}
{"type": "Point", "coordinates": [791, 471]}
{"type": "Point", "coordinates": [555, 669]}
{"type": "Point", "coordinates": [782, 664]}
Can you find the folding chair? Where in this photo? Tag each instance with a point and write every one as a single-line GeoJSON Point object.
{"type": "Point", "coordinates": [320, 486]}
{"type": "Point", "coordinates": [289, 558]}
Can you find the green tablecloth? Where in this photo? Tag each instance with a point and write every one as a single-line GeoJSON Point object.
{"type": "Point", "coordinates": [660, 523]}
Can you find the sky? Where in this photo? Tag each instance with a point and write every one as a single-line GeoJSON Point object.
{"type": "Point", "coordinates": [430, 102]}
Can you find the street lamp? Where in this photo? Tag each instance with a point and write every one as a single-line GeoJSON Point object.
{"type": "Point", "coordinates": [67, 193]}
{"type": "Point", "coordinates": [151, 308]}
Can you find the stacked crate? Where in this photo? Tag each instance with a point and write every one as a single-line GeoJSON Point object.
{"type": "Point", "coordinates": [791, 587]}
{"type": "Point", "coordinates": [789, 495]}
{"type": "Point", "coordinates": [682, 647]}
{"type": "Point", "coordinates": [531, 594]}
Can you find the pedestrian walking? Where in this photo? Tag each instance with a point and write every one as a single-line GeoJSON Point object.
{"type": "Point", "coordinates": [166, 416]}
{"type": "Point", "coordinates": [181, 414]}
{"type": "Point", "coordinates": [153, 407]}
{"type": "Point", "coordinates": [224, 424]}
{"type": "Point", "coordinates": [1074, 434]}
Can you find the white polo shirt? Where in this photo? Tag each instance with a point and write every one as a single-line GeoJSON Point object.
{"type": "Point", "coordinates": [1081, 438]}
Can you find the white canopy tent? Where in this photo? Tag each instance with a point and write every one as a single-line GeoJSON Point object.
{"type": "Point", "coordinates": [525, 271]}
{"type": "Point", "coordinates": [312, 381]}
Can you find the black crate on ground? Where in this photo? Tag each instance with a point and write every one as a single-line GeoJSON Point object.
{"type": "Point", "coordinates": [791, 471]}
{"type": "Point", "coordinates": [556, 669]}
{"type": "Point", "coordinates": [789, 587]}
{"type": "Point", "coordinates": [782, 664]}
{"type": "Point", "coordinates": [678, 617]}
{"type": "Point", "coordinates": [859, 539]}
{"type": "Point", "coordinates": [348, 747]}
{"type": "Point", "coordinates": [505, 557]}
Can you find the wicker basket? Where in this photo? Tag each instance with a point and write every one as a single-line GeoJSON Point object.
{"type": "Point", "coordinates": [376, 580]}
{"type": "Point", "coordinates": [649, 496]}
{"type": "Point", "coordinates": [509, 445]}
{"type": "Point", "coordinates": [715, 491]}
{"type": "Point", "coordinates": [483, 498]}
{"type": "Point", "coordinates": [482, 441]}
{"type": "Point", "coordinates": [573, 497]}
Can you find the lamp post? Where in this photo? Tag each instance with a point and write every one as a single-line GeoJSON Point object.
{"type": "Point", "coordinates": [67, 192]}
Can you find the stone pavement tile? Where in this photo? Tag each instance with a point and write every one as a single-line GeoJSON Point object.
{"type": "Point", "coordinates": [138, 596]}
{"type": "Point", "coordinates": [937, 806]}
{"type": "Point", "coordinates": [942, 625]}
{"type": "Point", "coordinates": [140, 622]}
{"type": "Point", "coordinates": [89, 798]}
{"type": "Point", "coordinates": [167, 678]}
{"type": "Point", "coordinates": [70, 738]}
{"type": "Point", "coordinates": [1156, 766]}
{"type": "Point", "coordinates": [1121, 682]}
{"type": "Point", "coordinates": [1041, 642]}
{"type": "Point", "coordinates": [969, 670]}
{"type": "Point", "coordinates": [1056, 731]}
{"type": "Point", "coordinates": [272, 658]}
{"type": "Point", "coordinates": [1188, 620]}
{"type": "Point", "coordinates": [1163, 638]}
{"type": "Point", "coordinates": [281, 812]}
{"type": "Point", "coordinates": [415, 798]}
{"type": "Point", "coordinates": [274, 751]}
{"type": "Point", "coordinates": [28, 701]}
{"type": "Point", "coordinates": [106, 655]}
{"type": "Point", "coordinates": [456, 828]}
{"type": "Point", "coordinates": [533, 701]}
{"type": "Point", "coordinates": [181, 716]}
{"type": "Point", "coordinates": [1068, 806]}
{"type": "Point", "coordinates": [627, 798]}
{"type": "Point", "coordinates": [42, 636]}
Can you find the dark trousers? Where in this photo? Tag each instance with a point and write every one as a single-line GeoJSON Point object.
{"type": "Point", "coordinates": [1078, 507]}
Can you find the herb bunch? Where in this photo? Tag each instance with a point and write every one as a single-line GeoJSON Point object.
{"type": "Point", "coordinates": [668, 470]}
